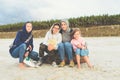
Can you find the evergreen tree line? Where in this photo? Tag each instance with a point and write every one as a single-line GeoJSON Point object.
{"type": "Point", "coordinates": [86, 21]}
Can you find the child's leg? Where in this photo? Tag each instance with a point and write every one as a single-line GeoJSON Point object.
{"type": "Point", "coordinates": [87, 61]}
{"type": "Point", "coordinates": [78, 60]}
{"type": "Point", "coordinates": [78, 57]}
{"type": "Point", "coordinates": [84, 53]}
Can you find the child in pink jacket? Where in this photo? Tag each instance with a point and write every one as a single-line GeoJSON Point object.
{"type": "Point", "coordinates": [80, 48]}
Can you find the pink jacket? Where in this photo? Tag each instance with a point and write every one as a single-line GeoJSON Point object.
{"type": "Point", "coordinates": [75, 42]}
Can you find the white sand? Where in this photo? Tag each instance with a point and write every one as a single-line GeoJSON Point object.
{"type": "Point", "coordinates": [104, 54]}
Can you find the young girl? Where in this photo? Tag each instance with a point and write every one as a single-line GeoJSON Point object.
{"type": "Point", "coordinates": [23, 46]}
{"type": "Point", "coordinates": [80, 48]}
{"type": "Point", "coordinates": [65, 47]}
{"type": "Point", "coordinates": [50, 44]}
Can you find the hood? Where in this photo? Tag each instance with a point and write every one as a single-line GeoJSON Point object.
{"type": "Point", "coordinates": [24, 28]}
{"type": "Point", "coordinates": [50, 30]}
{"type": "Point", "coordinates": [67, 23]}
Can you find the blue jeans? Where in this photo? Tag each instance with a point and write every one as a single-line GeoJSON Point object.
{"type": "Point", "coordinates": [63, 48]}
{"type": "Point", "coordinates": [19, 52]}
{"type": "Point", "coordinates": [82, 52]}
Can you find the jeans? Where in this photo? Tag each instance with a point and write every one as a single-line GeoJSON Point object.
{"type": "Point", "coordinates": [19, 52]}
{"type": "Point", "coordinates": [63, 48]}
{"type": "Point", "coordinates": [82, 52]}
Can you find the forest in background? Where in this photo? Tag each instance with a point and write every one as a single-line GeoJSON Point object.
{"type": "Point", "coordinates": [91, 26]}
{"type": "Point", "coordinates": [86, 21]}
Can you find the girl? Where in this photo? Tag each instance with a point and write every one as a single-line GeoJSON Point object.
{"type": "Point", "coordinates": [65, 46]}
{"type": "Point", "coordinates": [50, 44]}
{"type": "Point", "coordinates": [80, 48]}
{"type": "Point", "coordinates": [23, 46]}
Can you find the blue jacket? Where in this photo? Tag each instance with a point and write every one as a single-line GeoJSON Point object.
{"type": "Point", "coordinates": [21, 37]}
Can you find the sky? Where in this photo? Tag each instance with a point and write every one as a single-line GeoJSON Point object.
{"type": "Point", "coordinates": [14, 11]}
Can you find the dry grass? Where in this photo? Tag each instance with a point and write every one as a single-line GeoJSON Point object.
{"type": "Point", "coordinates": [36, 33]}
{"type": "Point", "coordinates": [7, 34]}
{"type": "Point", "coordinates": [99, 31]}
{"type": "Point", "coordinates": [39, 33]}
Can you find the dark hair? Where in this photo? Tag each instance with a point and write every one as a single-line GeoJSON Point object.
{"type": "Point", "coordinates": [74, 31]}
{"type": "Point", "coordinates": [27, 22]}
{"type": "Point", "coordinates": [56, 24]}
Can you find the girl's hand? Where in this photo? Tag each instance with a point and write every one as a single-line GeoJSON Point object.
{"type": "Point", "coordinates": [84, 47]}
{"type": "Point", "coordinates": [26, 54]}
{"type": "Point", "coordinates": [79, 46]}
{"type": "Point", "coordinates": [30, 47]}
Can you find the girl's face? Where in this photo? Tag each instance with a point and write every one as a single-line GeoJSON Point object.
{"type": "Point", "coordinates": [28, 27]}
{"type": "Point", "coordinates": [64, 26]}
{"type": "Point", "coordinates": [76, 35]}
{"type": "Point", "coordinates": [55, 29]}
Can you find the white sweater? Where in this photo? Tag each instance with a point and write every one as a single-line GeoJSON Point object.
{"type": "Point", "coordinates": [54, 39]}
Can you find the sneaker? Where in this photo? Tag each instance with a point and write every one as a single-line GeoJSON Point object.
{"type": "Point", "coordinates": [29, 62]}
{"type": "Point", "coordinates": [62, 64]}
{"type": "Point", "coordinates": [54, 64]}
{"type": "Point", "coordinates": [71, 64]}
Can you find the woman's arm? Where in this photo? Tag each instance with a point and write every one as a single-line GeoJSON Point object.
{"type": "Point", "coordinates": [46, 39]}
{"type": "Point", "coordinates": [17, 40]}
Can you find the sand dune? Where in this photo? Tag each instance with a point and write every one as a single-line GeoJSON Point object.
{"type": "Point", "coordinates": [104, 54]}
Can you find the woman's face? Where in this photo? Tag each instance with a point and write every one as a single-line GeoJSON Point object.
{"type": "Point", "coordinates": [76, 35]}
{"type": "Point", "coordinates": [64, 26]}
{"type": "Point", "coordinates": [28, 27]}
{"type": "Point", "coordinates": [55, 29]}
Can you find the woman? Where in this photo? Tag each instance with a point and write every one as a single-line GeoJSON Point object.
{"type": "Point", "coordinates": [65, 46]}
{"type": "Point", "coordinates": [50, 44]}
{"type": "Point", "coordinates": [23, 45]}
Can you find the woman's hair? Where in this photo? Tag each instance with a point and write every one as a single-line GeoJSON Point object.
{"type": "Point", "coordinates": [74, 31]}
{"type": "Point", "coordinates": [27, 23]}
{"type": "Point", "coordinates": [55, 24]}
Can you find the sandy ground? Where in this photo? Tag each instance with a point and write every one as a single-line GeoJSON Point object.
{"type": "Point", "coordinates": [104, 55]}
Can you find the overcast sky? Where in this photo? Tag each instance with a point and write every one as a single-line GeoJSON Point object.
{"type": "Point", "coordinates": [12, 11]}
